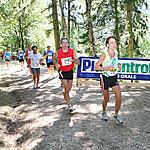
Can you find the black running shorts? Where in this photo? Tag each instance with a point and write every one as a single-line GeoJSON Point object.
{"type": "Point", "coordinates": [110, 81]}
{"type": "Point", "coordinates": [49, 64]}
{"type": "Point", "coordinates": [68, 75]}
{"type": "Point", "coordinates": [7, 60]}
{"type": "Point", "coordinates": [21, 60]}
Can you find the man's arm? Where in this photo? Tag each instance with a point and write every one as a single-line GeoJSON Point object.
{"type": "Point", "coordinates": [76, 60]}
{"type": "Point", "coordinates": [55, 60]}
{"type": "Point", "coordinates": [45, 54]}
{"type": "Point", "coordinates": [41, 60]}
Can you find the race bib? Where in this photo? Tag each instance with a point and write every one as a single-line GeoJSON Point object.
{"type": "Point", "coordinates": [49, 57]}
{"type": "Point", "coordinates": [66, 61]}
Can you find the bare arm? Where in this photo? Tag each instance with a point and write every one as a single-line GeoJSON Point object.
{"type": "Point", "coordinates": [76, 60]}
{"type": "Point", "coordinates": [41, 62]}
{"type": "Point", "coordinates": [45, 55]}
{"type": "Point", "coordinates": [55, 60]}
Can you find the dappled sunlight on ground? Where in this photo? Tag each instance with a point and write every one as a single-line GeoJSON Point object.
{"type": "Point", "coordinates": [87, 108]}
{"type": "Point", "coordinates": [127, 101]}
{"type": "Point", "coordinates": [79, 134]}
{"type": "Point", "coordinates": [39, 119]}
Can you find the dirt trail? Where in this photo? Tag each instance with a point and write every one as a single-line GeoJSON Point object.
{"type": "Point", "coordinates": [38, 119]}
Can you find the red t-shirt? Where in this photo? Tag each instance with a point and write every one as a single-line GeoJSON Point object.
{"type": "Point", "coordinates": [64, 59]}
{"type": "Point", "coordinates": [28, 52]}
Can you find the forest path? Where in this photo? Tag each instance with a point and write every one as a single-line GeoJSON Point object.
{"type": "Point", "coordinates": [38, 119]}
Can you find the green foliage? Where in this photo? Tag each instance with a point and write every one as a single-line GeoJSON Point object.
{"type": "Point", "coordinates": [19, 23]}
{"type": "Point", "coordinates": [143, 49]}
{"type": "Point", "coordinates": [30, 21]}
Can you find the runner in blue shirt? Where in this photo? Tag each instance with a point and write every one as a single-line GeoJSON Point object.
{"type": "Point", "coordinates": [21, 54]}
{"type": "Point", "coordinates": [48, 54]}
{"type": "Point", "coordinates": [7, 56]}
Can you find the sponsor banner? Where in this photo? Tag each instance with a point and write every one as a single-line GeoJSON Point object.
{"type": "Point", "coordinates": [132, 68]}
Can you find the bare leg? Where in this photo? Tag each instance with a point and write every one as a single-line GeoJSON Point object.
{"type": "Point", "coordinates": [67, 87]}
{"type": "Point", "coordinates": [22, 63]}
{"type": "Point", "coordinates": [38, 78]}
{"type": "Point", "coordinates": [105, 100]}
{"type": "Point", "coordinates": [7, 63]}
{"type": "Point", "coordinates": [34, 79]}
{"type": "Point", "coordinates": [30, 71]}
{"type": "Point", "coordinates": [64, 83]}
{"type": "Point", "coordinates": [52, 70]}
{"type": "Point", "coordinates": [117, 91]}
{"type": "Point", "coordinates": [48, 70]}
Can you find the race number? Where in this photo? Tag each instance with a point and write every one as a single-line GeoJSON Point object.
{"type": "Point", "coordinates": [66, 61]}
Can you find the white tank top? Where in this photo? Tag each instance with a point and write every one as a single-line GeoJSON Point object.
{"type": "Point", "coordinates": [110, 61]}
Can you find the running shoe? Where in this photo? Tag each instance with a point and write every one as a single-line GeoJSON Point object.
{"type": "Point", "coordinates": [70, 108]}
{"type": "Point", "coordinates": [104, 116]}
{"type": "Point", "coordinates": [118, 119]}
{"type": "Point", "coordinates": [34, 87]}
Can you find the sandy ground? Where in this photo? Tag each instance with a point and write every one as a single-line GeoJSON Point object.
{"type": "Point", "coordinates": [38, 119]}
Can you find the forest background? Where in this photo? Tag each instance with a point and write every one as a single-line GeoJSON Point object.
{"type": "Point", "coordinates": [86, 23]}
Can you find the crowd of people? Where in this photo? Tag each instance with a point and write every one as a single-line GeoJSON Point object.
{"type": "Point", "coordinates": [63, 60]}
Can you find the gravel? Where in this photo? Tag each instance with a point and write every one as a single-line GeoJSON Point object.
{"type": "Point", "coordinates": [38, 119]}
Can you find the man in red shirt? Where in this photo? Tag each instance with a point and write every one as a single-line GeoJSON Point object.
{"type": "Point", "coordinates": [66, 57]}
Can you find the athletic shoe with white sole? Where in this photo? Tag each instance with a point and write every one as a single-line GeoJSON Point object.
{"type": "Point", "coordinates": [118, 119]}
{"type": "Point", "coordinates": [70, 108]}
{"type": "Point", "coordinates": [104, 116]}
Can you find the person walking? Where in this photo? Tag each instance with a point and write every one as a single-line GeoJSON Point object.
{"type": "Point", "coordinates": [66, 58]}
{"type": "Point", "coordinates": [109, 68]}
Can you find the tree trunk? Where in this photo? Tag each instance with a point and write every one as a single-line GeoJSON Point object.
{"type": "Point", "coordinates": [69, 3]}
{"type": "Point", "coordinates": [63, 20]}
{"type": "Point", "coordinates": [90, 26]}
{"type": "Point", "coordinates": [17, 39]}
{"type": "Point", "coordinates": [129, 9]}
{"type": "Point", "coordinates": [21, 33]}
{"type": "Point", "coordinates": [55, 24]}
{"type": "Point", "coordinates": [117, 26]}
{"type": "Point", "coordinates": [25, 37]}
{"type": "Point", "coordinates": [22, 40]}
